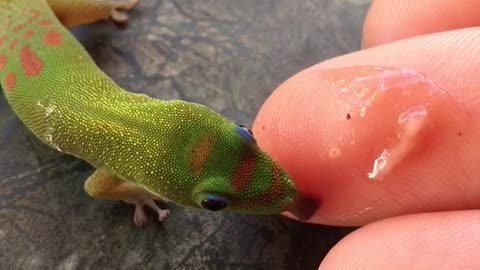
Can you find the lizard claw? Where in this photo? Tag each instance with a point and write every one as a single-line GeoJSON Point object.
{"type": "Point", "coordinates": [163, 214]}
{"type": "Point", "coordinates": [140, 218]}
{"type": "Point", "coordinates": [118, 13]}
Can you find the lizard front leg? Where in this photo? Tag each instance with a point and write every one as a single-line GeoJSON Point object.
{"type": "Point", "coordinates": [105, 185]}
{"type": "Point", "coordinates": [77, 12]}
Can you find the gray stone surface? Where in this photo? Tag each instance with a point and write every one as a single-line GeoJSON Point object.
{"type": "Point", "coordinates": [226, 54]}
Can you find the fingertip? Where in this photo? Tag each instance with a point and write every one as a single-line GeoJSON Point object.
{"type": "Point", "coordinates": [307, 125]}
{"type": "Point", "coordinates": [391, 20]}
{"type": "Point", "coordinates": [447, 240]}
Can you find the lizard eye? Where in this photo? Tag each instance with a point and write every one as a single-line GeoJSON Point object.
{"type": "Point", "coordinates": [246, 133]}
{"type": "Point", "coordinates": [213, 202]}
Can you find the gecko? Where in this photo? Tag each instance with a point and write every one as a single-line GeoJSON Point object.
{"type": "Point", "coordinates": [143, 149]}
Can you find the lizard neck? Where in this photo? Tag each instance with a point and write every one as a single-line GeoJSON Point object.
{"type": "Point", "coordinates": [102, 130]}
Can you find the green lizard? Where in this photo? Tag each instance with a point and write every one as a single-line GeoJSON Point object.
{"type": "Point", "coordinates": [142, 148]}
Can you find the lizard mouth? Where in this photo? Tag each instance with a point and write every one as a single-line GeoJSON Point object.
{"type": "Point", "coordinates": [304, 207]}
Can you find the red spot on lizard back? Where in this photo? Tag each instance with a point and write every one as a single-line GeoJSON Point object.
{"type": "Point", "coordinates": [2, 40]}
{"type": "Point", "coordinates": [29, 34]}
{"type": "Point", "coordinates": [13, 44]}
{"type": "Point", "coordinates": [52, 38]}
{"type": "Point", "coordinates": [45, 23]}
{"type": "Point", "coordinates": [32, 65]}
{"type": "Point", "coordinates": [10, 81]}
{"type": "Point", "coordinates": [35, 15]}
{"type": "Point", "coordinates": [19, 28]}
{"type": "Point", "coordinates": [3, 61]}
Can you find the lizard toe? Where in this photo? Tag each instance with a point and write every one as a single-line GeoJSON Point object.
{"type": "Point", "coordinates": [118, 13]}
{"type": "Point", "coordinates": [139, 217]}
{"type": "Point", "coordinates": [163, 214]}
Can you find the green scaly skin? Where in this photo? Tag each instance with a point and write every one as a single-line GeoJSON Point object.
{"type": "Point", "coordinates": [181, 151]}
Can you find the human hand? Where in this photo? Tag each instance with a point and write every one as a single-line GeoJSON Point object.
{"type": "Point", "coordinates": [328, 124]}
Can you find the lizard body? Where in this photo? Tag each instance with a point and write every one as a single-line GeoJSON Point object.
{"type": "Point", "coordinates": [143, 148]}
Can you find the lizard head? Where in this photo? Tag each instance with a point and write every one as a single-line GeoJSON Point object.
{"type": "Point", "coordinates": [221, 167]}
{"type": "Point", "coordinates": [239, 176]}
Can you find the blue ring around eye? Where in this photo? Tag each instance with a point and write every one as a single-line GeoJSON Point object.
{"type": "Point", "coordinates": [246, 134]}
{"type": "Point", "coordinates": [213, 196]}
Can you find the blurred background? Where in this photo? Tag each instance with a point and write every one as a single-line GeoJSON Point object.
{"type": "Point", "coordinates": [229, 55]}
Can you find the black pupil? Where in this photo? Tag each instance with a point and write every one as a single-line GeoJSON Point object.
{"type": "Point", "coordinates": [214, 204]}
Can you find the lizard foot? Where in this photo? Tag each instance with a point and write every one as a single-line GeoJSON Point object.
{"type": "Point", "coordinates": [140, 218]}
{"type": "Point", "coordinates": [119, 14]}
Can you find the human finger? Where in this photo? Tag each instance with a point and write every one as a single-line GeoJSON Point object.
{"type": "Point", "coordinates": [329, 126]}
{"type": "Point", "coordinates": [392, 20]}
{"type": "Point", "coordinates": [447, 240]}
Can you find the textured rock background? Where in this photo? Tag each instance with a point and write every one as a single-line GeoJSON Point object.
{"type": "Point", "coordinates": [226, 54]}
